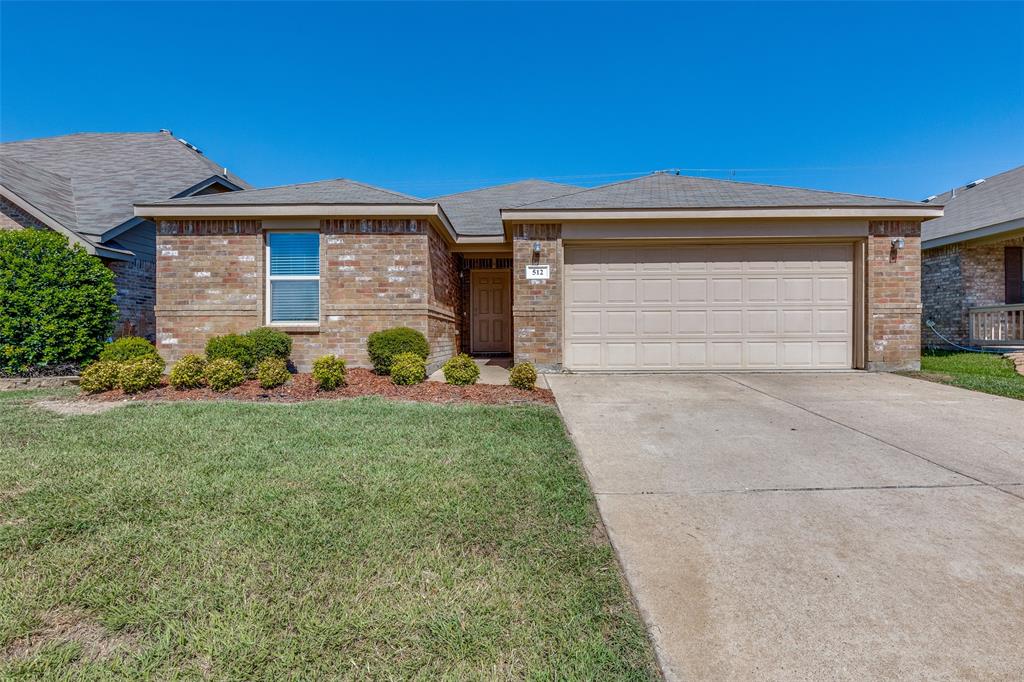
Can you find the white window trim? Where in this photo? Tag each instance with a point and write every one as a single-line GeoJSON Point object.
{"type": "Point", "coordinates": [280, 278]}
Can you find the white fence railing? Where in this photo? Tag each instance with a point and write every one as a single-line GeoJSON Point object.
{"type": "Point", "coordinates": [997, 324]}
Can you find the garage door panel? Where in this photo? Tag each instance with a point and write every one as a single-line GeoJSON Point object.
{"type": "Point", "coordinates": [729, 306]}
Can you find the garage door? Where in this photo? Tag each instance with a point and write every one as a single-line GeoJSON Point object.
{"type": "Point", "coordinates": [697, 307]}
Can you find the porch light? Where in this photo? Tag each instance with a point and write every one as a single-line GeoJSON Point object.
{"type": "Point", "coordinates": [536, 247]}
{"type": "Point", "coordinates": [898, 243]}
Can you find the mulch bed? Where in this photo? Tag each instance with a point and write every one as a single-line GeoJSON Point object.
{"type": "Point", "coordinates": [361, 382]}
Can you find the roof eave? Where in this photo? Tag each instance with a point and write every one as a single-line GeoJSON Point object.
{"type": "Point", "coordinates": [46, 219]}
{"type": "Point", "coordinates": [988, 231]}
{"type": "Point", "coordinates": [564, 214]}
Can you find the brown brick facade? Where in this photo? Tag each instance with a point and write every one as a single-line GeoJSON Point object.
{"type": "Point", "coordinates": [956, 278]}
{"type": "Point", "coordinates": [13, 218]}
{"type": "Point", "coordinates": [537, 307]}
{"type": "Point", "coordinates": [893, 296]}
{"type": "Point", "coordinates": [374, 274]}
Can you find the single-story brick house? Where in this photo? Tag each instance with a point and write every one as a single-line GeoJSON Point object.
{"type": "Point", "coordinates": [664, 272]}
{"type": "Point", "coordinates": [973, 264]}
{"type": "Point", "coordinates": [84, 186]}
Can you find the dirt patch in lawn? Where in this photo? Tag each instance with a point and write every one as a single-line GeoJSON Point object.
{"type": "Point", "coordinates": [70, 626]}
{"type": "Point", "coordinates": [75, 407]}
{"type": "Point", "coordinates": [361, 382]}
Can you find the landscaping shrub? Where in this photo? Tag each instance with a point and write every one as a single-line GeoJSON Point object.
{"type": "Point", "coordinates": [267, 342]}
{"type": "Point", "coordinates": [223, 374]}
{"type": "Point", "coordinates": [140, 374]}
{"type": "Point", "coordinates": [408, 369]}
{"type": "Point", "coordinates": [130, 348]}
{"type": "Point", "coordinates": [56, 301]}
{"type": "Point", "coordinates": [188, 372]}
{"type": "Point", "coordinates": [100, 376]}
{"type": "Point", "coordinates": [523, 375]}
{"type": "Point", "coordinates": [272, 372]}
{"type": "Point", "coordinates": [461, 370]}
{"type": "Point", "coordinates": [232, 347]}
{"type": "Point", "coordinates": [384, 346]}
{"type": "Point", "coordinates": [329, 372]}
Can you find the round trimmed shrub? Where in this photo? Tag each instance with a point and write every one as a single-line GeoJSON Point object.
{"type": "Point", "coordinates": [329, 372]}
{"type": "Point", "coordinates": [267, 342]}
{"type": "Point", "coordinates": [524, 376]}
{"type": "Point", "coordinates": [56, 301]}
{"type": "Point", "coordinates": [223, 374]}
{"type": "Point", "coordinates": [232, 347]}
{"type": "Point", "coordinates": [100, 376]}
{"type": "Point", "coordinates": [130, 348]}
{"type": "Point", "coordinates": [140, 374]}
{"type": "Point", "coordinates": [461, 370]}
{"type": "Point", "coordinates": [188, 372]}
{"type": "Point", "coordinates": [384, 346]}
{"type": "Point", "coordinates": [272, 372]}
{"type": "Point", "coordinates": [408, 369]}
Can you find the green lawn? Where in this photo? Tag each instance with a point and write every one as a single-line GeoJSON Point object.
{"type": "Point", "coordinates": [346, 539]}
{"type": "Point", "coordinates": [987, 372]}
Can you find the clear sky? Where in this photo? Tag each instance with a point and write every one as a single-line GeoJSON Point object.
{"type": "Point", "coordinates": [901, 100]}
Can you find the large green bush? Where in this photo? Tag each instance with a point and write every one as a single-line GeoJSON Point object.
{"type": "Point", "coordinates": [268, 342]}
{"type": "Point", "coordinates": [223, 374]}
{"type": "Point", "coordinates": [100, 376]}
{"type": "Point", "coordinates": [130, 348]}
{"type": "Point", "coordinates": [408, 369]}
{"type": "Point", "coordinates": [328, 372]}
{"type": "Point", "coordinates": [188, 372]}
{"type": "Point", "coordinates": [524, 376]}
{"type": "Point", "coordinates": [140, 374]}
{"type": "Point", "coordinates": [383, 346]}
{"type": "Point", "coordinates": [461, 370]}
{"type": "Point", "coordinates": [272, 372]}
{"type": "Point", "coordinates": [56, 301]}
{"type": "Point", "coordinates": [232, 347]}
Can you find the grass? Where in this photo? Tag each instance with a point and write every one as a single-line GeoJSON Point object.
{"type": "Point", "coordinates": [986, 372]}
{"type": "Point", "coordinates": [355, 539]}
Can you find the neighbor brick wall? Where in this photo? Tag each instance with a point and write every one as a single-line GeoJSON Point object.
{"type": "Point", "coordinates": [958, 277]}
{"type": "Point", "coordinates": [136, 296]}
{"type": "Point", "coordinates": [373, 275]}
{"type": "Point", "coordinates": [13, 218]}
{"type": "Point", "coordinates": [537, 308]}
{"type": "Point", "coordinates": [893, 296]}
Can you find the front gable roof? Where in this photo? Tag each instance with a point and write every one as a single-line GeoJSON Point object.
{"type": "Point", "coordinates": [670, 191]}
{"type": "Point", "coordinates": [324, 192]}
{"type": "Point", "coordinates": [979, 209]}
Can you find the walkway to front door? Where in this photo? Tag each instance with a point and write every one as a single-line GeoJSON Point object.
{"type": "Point", "coordinates": [490, 311]}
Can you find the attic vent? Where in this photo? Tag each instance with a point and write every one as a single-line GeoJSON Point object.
{"type": "Point", "coordinates": [931, 198]}
{"type": "Point", "coordinates": [191, 146]}
{"type": "Point", "coordinates": [165, 130]}
{"type": "Point", "coordinates": [974, 184]}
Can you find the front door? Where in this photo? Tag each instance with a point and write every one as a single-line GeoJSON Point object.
{"type": "Point", "coordinates": [490, 313]}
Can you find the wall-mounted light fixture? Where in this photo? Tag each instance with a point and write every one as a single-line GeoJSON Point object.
{"type": "Point", "coordinates": [536, 247]}
{"type": "Point", "coordinates": [898, 243]}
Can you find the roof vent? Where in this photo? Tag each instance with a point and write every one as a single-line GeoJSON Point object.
{"type": "Point", "coordinates": [931, 198]}
{"type": "Point", "coordinates": [974, 184]}
{"type": "Point", "coordinates": [191, 146]}
{"type": "Point", "coordinates": [165, 130]}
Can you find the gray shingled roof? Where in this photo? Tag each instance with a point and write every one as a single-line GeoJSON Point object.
{"type": "Point", "coordinates": [662, 190]}
{"type": "Point", "coordinates": [477, 213]}
{"type": "Point", "coordinates": [340, 191]}
{"type": "Point", "coordinates": [1000, 199]}
{"type": "Point", "coordinates": [90, 181]}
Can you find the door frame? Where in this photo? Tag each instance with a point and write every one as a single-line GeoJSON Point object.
{"type": "Point", "coordinates": [472, 309]}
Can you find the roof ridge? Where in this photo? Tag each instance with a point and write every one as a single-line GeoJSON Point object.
{"type": "Point", "coordinates": [588, 189]}
{"type": "Point", "coordinates": [802, 189]}
{"type": "Point", "coordinates": [388, 191]}
{"type": "Point", "coordinates": [504, 184]}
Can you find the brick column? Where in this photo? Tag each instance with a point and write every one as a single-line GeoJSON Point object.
{"type": "Point", "coordinates": [893, 296]}
{"type": "Point", "coordinates": [537, 306]}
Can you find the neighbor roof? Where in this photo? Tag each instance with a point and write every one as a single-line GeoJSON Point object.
{"type": "Point", "coordinates": [340, 191]}
{"type": "Point", "coordinates": [90, 181]}
{"type": "Point", "coordinates": [477, 212]}
{"type": "Point", "coordinates": [990, 207]}
{"type": "Point", "coordinates": [668, 191]}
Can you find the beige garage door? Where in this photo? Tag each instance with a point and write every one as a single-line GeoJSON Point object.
{"type": "Point", "coordinates": [696, 307]}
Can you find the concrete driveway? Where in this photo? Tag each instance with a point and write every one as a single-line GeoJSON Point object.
{"type": "Point", "coordinates": [812, 526]}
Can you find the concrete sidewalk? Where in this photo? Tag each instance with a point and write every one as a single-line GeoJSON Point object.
{"type": "Point", "coordinates": [812, 526]}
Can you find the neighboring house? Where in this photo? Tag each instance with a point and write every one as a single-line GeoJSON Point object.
{"type": "Point", "coordinates": [973, 264]}
{"type": "Point", "coordinates": [84, 186]}
{"type": "Point", "coordinates": [664, 272]}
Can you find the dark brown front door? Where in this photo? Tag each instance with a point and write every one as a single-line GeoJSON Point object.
{"type": "Point", "coordinates": [490, 313]}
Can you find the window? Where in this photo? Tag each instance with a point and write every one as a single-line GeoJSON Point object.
{"type": "Point", "coordinates": [1013, 263]}
{"type": "Point", "coordinates": [293, 277]}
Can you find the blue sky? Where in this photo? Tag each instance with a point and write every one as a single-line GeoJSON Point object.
{"type": "Point", "coordinates": [899, 100]}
